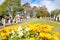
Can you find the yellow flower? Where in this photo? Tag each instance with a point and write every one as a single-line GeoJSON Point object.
{"type": "Point", "coordinates": [44, 31]}
{"type": "Point", "coordinates": [1, 30]}
{"type": "Point", "coordinates": [35, 27]}
{"type": "Point", "coordinates": [39, 28]}
{"type": "Point", "coordinates": [45, 35]}
{"type": "Point", "coordinates": [8, 29]}
{"type": "Point", "coordinates": [41, 34]}
{"type": "Point", "coordinates": [48, 36]}
{"type": "Point", "coordinates": [47, 28]}
{"type": "Point", "coordinates": [4, 38]}
{"type": "Point", "coordinates": [15, 28]}
{"type": "Point", "coordinates": [56, 33]}
{"type": "Point", "coordinates": [4, 35]}
{"type": "Point", "coordinates": [31, 27]}
{"type": "Point", "coordinates": [55, 37]}
{"type": "Point", "coordinates": [31, 39]}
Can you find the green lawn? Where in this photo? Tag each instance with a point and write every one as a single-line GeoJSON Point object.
{"type": "Point", "coordinates": [43, 21]}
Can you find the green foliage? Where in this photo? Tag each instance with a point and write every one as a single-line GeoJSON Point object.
{"type": "Point", "coordinates": [32, 34]}
{"type": "Point", "coordinates": [44, 11]}
{"type": "Point", "coordinates": [15, 5]}
{"type": "Point", "coordinates": [17, 9]}
{"type": "Point", "coordinates": [38, 14]}
{"type": "Point", "coordinates": [55, 12]}
{"type": "Point", "coordinates": [12, 1]}
{"type": "Point", "coordinates": [14, 37]}
{"type": "Point", "coordinates": [31, 15]}
{"type": "Point", "coordinates": [3, 9]}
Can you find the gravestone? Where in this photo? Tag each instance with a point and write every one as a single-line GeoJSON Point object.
{"type": "Point", "coordinates": [3, 21]}
{"type": "Point", "coordinates": [17, 18]}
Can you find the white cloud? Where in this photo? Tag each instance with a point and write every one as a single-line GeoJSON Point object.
{"type": "Point", "coordinates": [50, 4]}
{"type": "Point", "coordinates": [34, 5]}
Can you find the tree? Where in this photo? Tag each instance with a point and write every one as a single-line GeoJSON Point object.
{"type": "Point", "coordinates": [44, 11]}
{"type": "Point", "coordinates": [13, 6]}
{"type": "Point", "coordinates": [55, 12]}
{"type": "Point", "coordinates": [31, 12]}
{"type": "Point", "coordinates": [17, 9]}
{"type": "Point", "coordinates": [7, 5]}
{"type": "Point", "coordinates": [3, 10]}
{"type": "Point", "coordinates": [38, 15]}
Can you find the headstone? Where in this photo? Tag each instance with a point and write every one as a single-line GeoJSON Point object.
{"type": "Point", "coordinates": [3, 21]}
{"type": "Point", "coordinates": [17, 20]}
{"type": "Point", "coordinates": [59, 17]}
{"type": "Point", "coordinates": [56, 18]}
{"type": "Point", "coordinates": [9, 21]}
{"type": "Point", "coordinates": [28, 17]}
{"type": "Point", "coordinates": [14, 20]}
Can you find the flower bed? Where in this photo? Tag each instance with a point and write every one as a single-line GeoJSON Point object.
{"type": "Point", "coordinates": [29, 32]}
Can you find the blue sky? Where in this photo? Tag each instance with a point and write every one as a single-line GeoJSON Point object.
{"type": "Point", "coordinates": [1, 1]}
{"type": "Point", "coordinates": [50, 4]}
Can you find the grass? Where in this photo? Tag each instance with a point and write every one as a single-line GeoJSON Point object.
{"type": "Point", "coordinates": [42, 21]}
